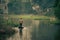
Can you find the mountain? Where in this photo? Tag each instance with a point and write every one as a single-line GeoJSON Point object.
{"type": "Point", "coordinates": [17, 6]}
{"type": "Point", "coordinates": [45, 3]}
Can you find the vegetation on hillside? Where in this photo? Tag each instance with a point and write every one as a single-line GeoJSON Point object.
{"type": "Point", "coordinates": [57, 9]}
{"type": "Point", "coordinates": [5, 30]}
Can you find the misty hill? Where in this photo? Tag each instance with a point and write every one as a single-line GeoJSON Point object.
{"type": "Point", "coordinates": [45, 3]}
{"type": "Point", "coordinates": [17, 7]}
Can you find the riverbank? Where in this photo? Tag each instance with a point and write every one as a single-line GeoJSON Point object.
{"type": "Point", "coordinates": [6, 32]}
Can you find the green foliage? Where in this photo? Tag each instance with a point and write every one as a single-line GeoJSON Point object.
{"type": "Point", "coordinates": [7, 31]}
{"type": "Point", "coordinates": [55, 22]}
{"type": "Point", "coordinates": [57, 12]}
{"type": "Point", "coordinates": [1, 21]}
{"type": "Point", "coordinates": [57, 9]}
{"type": "Point", "coordinates": [13, 22]}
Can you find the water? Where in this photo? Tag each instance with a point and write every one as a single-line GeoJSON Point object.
{"type": "Point", "coordinates": [44, 31]}
{"type": "Point", "coordinates": [36, 30]}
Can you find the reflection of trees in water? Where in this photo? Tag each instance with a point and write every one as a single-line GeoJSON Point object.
{"type": "Point", "coordinates": [57, 34]}
{"type": "Point", "coordinates": [45, 31]}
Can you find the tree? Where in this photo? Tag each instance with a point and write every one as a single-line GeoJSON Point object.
{"type": "Point", "coordinates": [57, 9]}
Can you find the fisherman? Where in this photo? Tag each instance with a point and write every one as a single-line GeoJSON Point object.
{"type": "Point", "coordinates": [20, 23]}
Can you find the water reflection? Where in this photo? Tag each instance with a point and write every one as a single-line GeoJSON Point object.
{"type": "Point", "coordinates": [37, 30]}
{"type": "Point", "coordinates": [45, 30]}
